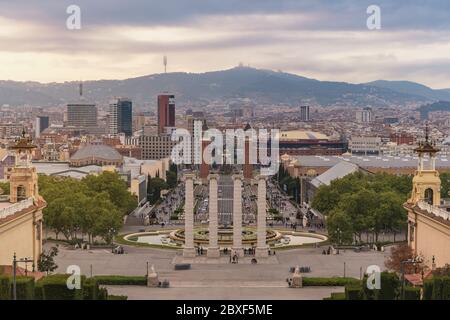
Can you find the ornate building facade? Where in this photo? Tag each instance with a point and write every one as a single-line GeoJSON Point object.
{"type": "Point", "coordinates": [428, 218]}
{"type": "Point", "coordinates": [21, 212]}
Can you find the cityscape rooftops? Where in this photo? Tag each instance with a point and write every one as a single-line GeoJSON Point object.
{"type": "Point", "coordinates": [382, 161]}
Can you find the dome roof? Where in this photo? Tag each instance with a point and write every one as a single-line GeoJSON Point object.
{"type": "Point", "coordinates": [100, 151]}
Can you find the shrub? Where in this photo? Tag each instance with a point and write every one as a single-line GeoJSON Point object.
{"type": "Point", "coordinates": [428, 289]}
{"type": "Point", "coordinates": [90, 289]}
{"type": "Point", "coordinates": [441, 288]}
{"type": "Point", "coordinates": [38, 290]}
{"type": "Point", "coordinates": [24, 288]}
{"type": "Point", "coordinates": [5, 288]}
{"type": "Point", "coordinates": [329, 282]}
{"type": "Point", "coordinates": [55, 288]}
{"type": "Point", "coordinates": [389, 286]}
{"type": "Point", "coordinates": [121, 280]}
{"type": "Point", "coordinates": [114, 297]}
{"type": "Point", "coordinates": [336, 296]}
{"type": "Point", "coordinates": [446, 288]}
{"type": "Point", "coordinates": [353, 292]}
{"type": "Point", "coordinates": [412, 293]}
{"type": "Point", "coordinates": [437, 288]}
{"type": "Point", "coordinates": [103, 294]}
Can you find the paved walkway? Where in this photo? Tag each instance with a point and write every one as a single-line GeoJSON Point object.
{"type": "Point", "coordinates": [223, 293]}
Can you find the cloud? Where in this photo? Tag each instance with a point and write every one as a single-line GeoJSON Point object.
{"type": "Point", "coordinates": [316, 38]}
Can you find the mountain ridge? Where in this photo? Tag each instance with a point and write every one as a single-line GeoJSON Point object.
{"type": "Point", "coordinates": [261, 85]}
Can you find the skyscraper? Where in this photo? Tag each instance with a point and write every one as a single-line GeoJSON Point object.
{"type": "Point", "coordinates": [120, 116]}
{"type": "Point", "coordinates": [304, 113]}
{"type": "Point", "coordinates": [166, 112]}
{"type": "Point", "coordinates": [42, 123]}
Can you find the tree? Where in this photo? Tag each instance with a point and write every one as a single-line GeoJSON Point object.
{"type": "Point", "coordinates": [46, 262]}
{"type": "Point", "coordinates": [340, 229]}
{"type": "Point", "coordinates": [4, 188]}
{"type": "Point", "coordinates": [399, 253]}
{"type": "Point", "coordinates": [171, 178]}
{"type": "Point", "coordinates": [156, 185]}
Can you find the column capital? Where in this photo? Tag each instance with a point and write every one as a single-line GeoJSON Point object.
{"type": "Point", "coordinates": [238, 176]}
{"type": "Point", "coordinates": [261, 177]}
{"type": "Point", "coordinates": [213, 176]}
{"type": "Point", "coordinates": [189, 176]}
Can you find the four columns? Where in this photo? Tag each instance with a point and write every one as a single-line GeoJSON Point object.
{"type": "Point", "coordinates": [213, 249]}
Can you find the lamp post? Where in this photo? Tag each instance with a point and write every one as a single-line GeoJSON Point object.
{"type": "Point", "coordinates": [15, 261]}
{"type": "Point", "coordinates": [414, 261]}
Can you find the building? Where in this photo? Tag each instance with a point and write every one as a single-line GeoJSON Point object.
{"type": "Point", "coordinates": [42, 123]}
{"type": "Point", "coordinates": [155, 147]}
{"type": "Point", "coordinates": [304, 113]}
{"type": "Point", "coordinates": [9, 130]}
{"type": "Point", "coordinates": [96, 154]}
{"type": "Point", "coordinates": [365, 115]}
{"type": "Point", "coordinates": [364, 145]}
{"type": "Point", "coordinates": [299, 142]}
{"type": "Point", "coordinates": [21, 211]}
{"type": "Point", "coordinates": [166, 112]}
{"type": "Point", "coordinates": [121, 116]}
{"type": "Point", "coordinates": [6, 163]}
{"type": "Point", "coordinates": [428, 217]}
{"type": "Point", "coordinates": [81, 115]}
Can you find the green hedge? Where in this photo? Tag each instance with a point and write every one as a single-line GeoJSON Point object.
{"type": "Point", "coordinates": [90, 289]}
{"type": "Point", "coordinates": [428, 289]}
{"type": "Point", "coordinates": [441, 288]}
{"type": "Point", "coordinates": [102, 294]}
{"type": "Point", "coordinates": [114, 297]}
{"type": "Point", "coordinates": [54, 287]}
{"type": "Point", "coordinates": [121, 280]}
{"type": "Point", "coordinates": [38, 290]}
{"type": "Point", "coordinates": [24, 288]}
{"type": "Point", "coordinates": [412, 293]}
{"type": "Point", "coordinates": [5, 288]}
{"type": "Point", "coordinates": [389, 287]}
{"type": "Point", "coordinates": [336, 296]}
{"type": "Point", "coordinates": [329, 282]}
{"type": "Point", "coordinates": [354, 292]}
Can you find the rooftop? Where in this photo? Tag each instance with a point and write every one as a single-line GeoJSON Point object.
{"type": "Point", "coordinates": [386, 161]}
{"type": "Point", "coordinates": [302, 135]}
{"type": "Point", "coordinates": [97, 151]}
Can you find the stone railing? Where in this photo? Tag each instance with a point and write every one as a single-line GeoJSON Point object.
{"type": "Point", "coordinates": [16, 207]}
{"type": "Point", "coordinates": [444, 214]}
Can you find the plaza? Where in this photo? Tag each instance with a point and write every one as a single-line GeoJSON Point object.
{"type": "Point", "coordinates": [221, 280]}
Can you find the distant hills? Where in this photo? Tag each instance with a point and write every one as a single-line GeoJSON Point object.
{"type": "Point", "coordinates": [262, 86]}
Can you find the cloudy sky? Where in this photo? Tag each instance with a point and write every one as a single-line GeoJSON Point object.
{"type": "Point", "coordinates": [326, 40]}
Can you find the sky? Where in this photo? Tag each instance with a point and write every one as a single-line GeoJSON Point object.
{"type": "Point", "coordinates": [321, 39]}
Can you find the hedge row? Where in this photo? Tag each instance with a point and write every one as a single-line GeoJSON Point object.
{"type": "Point", "coordinates": [24, 288]}
{"type": "Point", "coordinates": [437, 288]}
{"type": "Point", "coordinates": [412, 293]}
{"type": "Point", "coordinates": [329, 282]}
{"type": "Point", "coordinates": [121, 280]}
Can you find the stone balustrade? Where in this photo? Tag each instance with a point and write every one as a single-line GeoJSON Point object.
{"type": "Point", "coordinates": [16, 207]}
{"type": "Point", "coordinates": [434, 210]}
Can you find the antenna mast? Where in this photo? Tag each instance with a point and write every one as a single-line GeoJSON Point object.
{"type": "Point", "coordinates": [165, 64]}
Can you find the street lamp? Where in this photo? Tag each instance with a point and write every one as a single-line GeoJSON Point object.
{"type": "Point", "coordinates": [15, 261]}
{"type": "Point", "coordinates": [414, 261]}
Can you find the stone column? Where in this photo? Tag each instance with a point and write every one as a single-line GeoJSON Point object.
{"type": "Point", "coordinates": [213, 249]}
{"type": "Point", "coordinates": [237, 215]}
{"type": "Point", "coordinates": [261, 246]}
{"type": "Point", "coordinates": [189, 250]}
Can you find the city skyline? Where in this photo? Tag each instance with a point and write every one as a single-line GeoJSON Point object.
{"type": "Point", "coordinates": [312, 39]}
